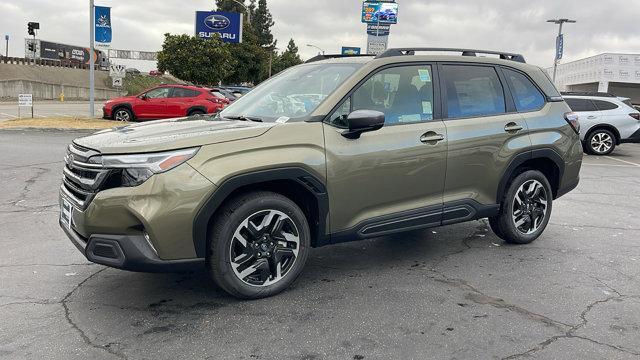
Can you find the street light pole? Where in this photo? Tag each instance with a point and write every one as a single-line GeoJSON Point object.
{"type": "Point", "coordinates": [313, 46]}
{"type": "Point", "coordinates": [555, 60]}
{"type": "Point", "coordinates": [92, 15]}
{"type": "Point", "coordinates": [245, 8]}
{"type": "Point", "coordinates": [6, 51]}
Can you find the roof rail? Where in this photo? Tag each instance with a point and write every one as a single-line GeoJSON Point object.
{"type": "Point", "coordinates": [334, 56]}
{"type": "Point", "coordinates": [588, 93]}
{"type": "Point", "coordinates": [464, 52]}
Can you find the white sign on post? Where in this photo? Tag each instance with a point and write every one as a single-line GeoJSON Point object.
{"type": "Point", "coordinates": [117, 82]}
{"type": "Point", "coordinates": [117, 71]}
{"type": "Point", "coordinates": [25, 100]}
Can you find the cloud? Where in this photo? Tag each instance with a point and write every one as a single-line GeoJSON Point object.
{"type": "Point", "coordinates": [507, 25]}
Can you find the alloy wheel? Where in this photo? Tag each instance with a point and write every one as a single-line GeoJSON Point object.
{"type": "Point", "coordinates": [264, 248]}
{"type": "Point", "coordinates": [122, 115]}
{"type": "Point", "coordinates": [601, 142]}
{"type": "Point", "coordinates": [529, 207]}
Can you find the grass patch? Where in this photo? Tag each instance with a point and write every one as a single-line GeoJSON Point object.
{"type": "Point", "coordinates": [60, 123]}
{"type": "Point", "coordinates": [136, 84]}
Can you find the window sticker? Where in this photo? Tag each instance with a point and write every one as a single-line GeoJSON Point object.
{"type": "Point", "coordinates": [427, 108]}
{"type": "Point", "coordinates": [409, 118]}
{"type": "Point", "coordinates": [282, 120]}
{"type": "Point", "coordinates": [424, 75]}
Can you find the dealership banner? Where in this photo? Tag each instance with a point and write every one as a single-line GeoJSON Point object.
{"type": "Point", "coordinates": [103, 27]}
{"type": "Point", "coordinates": [226, 25]}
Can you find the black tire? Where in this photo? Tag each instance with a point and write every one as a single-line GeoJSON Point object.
{"type": "Point", "coordinates": [122, 114]}
{"type": "Point", "coordinates": [600, 142]}
{"type": "Point", "coordinates": [504, 225]}
{"type": "Point", "coordinates": [196, 112]}
{"type": "Point", "coordinates": [231, 217]}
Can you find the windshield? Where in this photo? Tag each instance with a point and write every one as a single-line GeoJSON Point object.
{"type": "Point", "coordinates": [294, 93]}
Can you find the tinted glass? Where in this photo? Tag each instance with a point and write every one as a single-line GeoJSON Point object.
{"type": "Point", "coordinates": [473, 91]}
{"type": "Point", "coordinates": [184, 93]}
{"type": "Point", "coordinates": [158, 93]}
{"type": "Point", "coordinates": [604, 105]}
{"type": "Point", "coordinates": [580, 104]}
{"type": "Point", "coordinates": [526, 96]}
{"type": "Point", "coordinates": [404, 94]}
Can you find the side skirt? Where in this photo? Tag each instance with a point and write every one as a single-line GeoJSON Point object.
{"type": "Point", "coordinates": [432, 216]}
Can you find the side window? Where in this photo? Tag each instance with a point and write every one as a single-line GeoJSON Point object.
{"type": "Point", "coordinates": [580, 104]}
{"type": "Point", "coordinates": [339, 116]}
{"type": "Point", "coordinates": [604, 105]}
{"type": "Point", "coordinates": [526, 96]}
{"type": "Point", "coordinates": [404, 94]}
{"type": "Point", "coordinates": [159, 93]}
{"type": "Point", "coordinates": [473, 91]}
{"type": "Point", "coordinates": [183, 93]}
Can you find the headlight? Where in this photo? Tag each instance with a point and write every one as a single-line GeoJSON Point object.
{"type": "Point", "coordinates": [137, 168]}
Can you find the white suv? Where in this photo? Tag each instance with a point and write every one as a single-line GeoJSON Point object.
{"type": "Point", "coordinates": [605, 121]}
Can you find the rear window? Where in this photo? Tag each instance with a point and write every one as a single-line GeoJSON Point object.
{"type": "Point", "coordinates": [473, 91]}
{"type": "Point", "coordinates": [184, 93]}
{"type": "Point", "coordinates": [526, 95]}
{"type": "Point", "coordinates": [604, 105]}
{"type": "Point", "coordinates": [580, 104]}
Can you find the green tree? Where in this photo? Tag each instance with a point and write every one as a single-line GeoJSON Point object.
{"type": "Point", "coordinates": [287, 59]}
{"type": "Point", "coordinates": [200, 61]}
{"type": "Point", "coordinates": [262, 21]}
{"type": "Point", "coordinates": [230, 6]}
{"type": "Point", "coordinates": [251, 60]}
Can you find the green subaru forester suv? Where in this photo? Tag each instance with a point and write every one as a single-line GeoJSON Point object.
{"type": "Point", "coordinates": [337, 149]}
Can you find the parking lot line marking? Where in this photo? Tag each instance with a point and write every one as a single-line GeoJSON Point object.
{"type": "Point", "coordinates": [5, 114]}
{"type": "Point", "coordinates": [624, 161]}
{"type": "Point", "coordinates": [609, 165]}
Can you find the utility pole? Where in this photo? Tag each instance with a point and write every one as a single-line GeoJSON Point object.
{"type": "Point", "coordinates": [557, 55]}
{"type": "Point", "coordinates": [6, 51]}
{"type": "Point", "coordinates": [92, 52]}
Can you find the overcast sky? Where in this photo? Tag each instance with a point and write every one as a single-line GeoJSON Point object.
{"type": "Point", "coordinates": [507, 25]}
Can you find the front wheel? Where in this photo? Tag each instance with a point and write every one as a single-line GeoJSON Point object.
{"type": "Point", "coordinates": [122, 114]}
{"type": "Point", "coordinates": [525, 209]}
{"type": "Point", "coordinates": [259, 245]}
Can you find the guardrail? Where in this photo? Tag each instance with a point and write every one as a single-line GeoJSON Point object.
{"type": "Point", "coordinates": [66, 63]}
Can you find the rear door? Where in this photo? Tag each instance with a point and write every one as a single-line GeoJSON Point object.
{"type": "Point", "coordinates": [154, 104]}
{"type": "Point", "coordinates": [180, 101]}
{"type": "Point", "coordinates": [484, 133]}
{"type": "Point", "coordinates": [390, 179]}
{"type": "Point", "coordinates": [588, 114]}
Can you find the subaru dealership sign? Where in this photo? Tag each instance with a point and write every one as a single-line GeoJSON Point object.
{"type": "Point", "coordinates": [226, 25]}
{"type": "Point", "coordinates": [103, 27]}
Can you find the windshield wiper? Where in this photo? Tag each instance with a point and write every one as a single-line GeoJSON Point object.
{"type": "Point", "coordinates": [244, 118]}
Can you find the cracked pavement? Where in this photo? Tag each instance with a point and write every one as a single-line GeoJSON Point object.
{"type": "Point", "coordinates": [455, 292]}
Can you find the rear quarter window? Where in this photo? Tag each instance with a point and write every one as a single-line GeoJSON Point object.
{"type": "Point", "coordinates": [526, 95]}
{"type": "Point", "coordinates": [605, 105]}
{"type": "Point", "coordinates": [580, 104]}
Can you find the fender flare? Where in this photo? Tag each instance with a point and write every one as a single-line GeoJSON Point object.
{"type": "Point", "coordinates": [128, 106]}
{"type": "Point", "coordinates": [521, 158]}
{"type": "Point", "coordinates": [302, 176]}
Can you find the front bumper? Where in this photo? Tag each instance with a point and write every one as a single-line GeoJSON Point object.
{"type": "Point", "coordinates": [127, 252]}
{"type": "Point", "coordinates": [106, 113]}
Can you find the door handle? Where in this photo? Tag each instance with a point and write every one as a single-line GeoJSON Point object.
{"type": "Point", "coordinates": [431, 137]}
{"type": "Point", "coordinates": [591, 117]}
{"type": "Point", "coordinates": [512, 127]}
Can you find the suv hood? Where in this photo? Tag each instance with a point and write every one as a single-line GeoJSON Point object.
{"type": "Point", "coordinates": [171, 134]}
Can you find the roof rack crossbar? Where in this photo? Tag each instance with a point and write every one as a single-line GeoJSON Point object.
{"type": "Point", "coordinates": [464, 52]}
{"type": "Point", "coordinates": [333, 56]}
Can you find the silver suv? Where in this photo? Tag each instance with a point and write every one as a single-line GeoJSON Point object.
{"type": "Point", "coordinates": [605, 121]}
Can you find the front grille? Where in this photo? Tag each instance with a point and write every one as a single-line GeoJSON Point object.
{"type": "Point", "coordinates": [83, 175]}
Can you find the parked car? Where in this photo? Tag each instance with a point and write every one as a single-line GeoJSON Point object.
{"type": "Point", "coordinates": [238, 91]}
{"type": "Point", "coordinates": [224, 94]}
{"type": "Point", "coordinates": [167, 101]}
{"type": "Point", "coordinates": [605, 121]}
{"type": "Point", "coordinates": [132, 71]}
{"type": "Point", "coordinates": [156, 73]}
{"type": "Point", "coordinates": [326, 152]}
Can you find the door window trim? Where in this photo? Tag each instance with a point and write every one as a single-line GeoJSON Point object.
{"type": "Point", "coordinates": [435, 79]}
{"type": "Point", "coordinates": [510, 107]}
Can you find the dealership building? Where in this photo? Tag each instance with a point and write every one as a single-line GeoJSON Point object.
{"type": "Point", "coordinates": [618, 74]}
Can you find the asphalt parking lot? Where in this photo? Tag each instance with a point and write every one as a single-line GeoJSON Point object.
{"type": "Point", "coordinates": [455, 292]}
{"type": "Point", "coordinates": [42, 109]}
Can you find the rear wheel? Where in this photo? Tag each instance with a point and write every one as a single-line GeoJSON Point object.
{"type": "Point", "coordinates": [525, 209]}
{"type": "Point", "coordinates": [600, 142]}
{"type": "Point", "coordinates": [122, 114]}
{"type": "Point", "coordinates": [196, 112]}
{"type": "Point", "coordinates": [259, 245]}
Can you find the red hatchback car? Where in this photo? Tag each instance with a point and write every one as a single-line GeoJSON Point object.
{"type": "Point", "coordinates": [166, 101]}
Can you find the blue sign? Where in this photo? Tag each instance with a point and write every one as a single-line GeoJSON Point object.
{"type": "Point", "coordinates": [226, 25]}
{"type": "Point", "coordinates": [559, 46]}
{"type": "Point", "coordinates": [347, 50]}
{"type": "Point", "coordinates": [103, 26]}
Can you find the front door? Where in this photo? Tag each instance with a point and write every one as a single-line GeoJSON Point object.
{"type": "Point", "coordinates": [154, 104]}
{"type": "Point", "coordinates": [390, 179]}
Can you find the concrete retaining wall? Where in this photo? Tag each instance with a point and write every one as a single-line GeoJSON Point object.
{"type": "Point", "coordinates": [43, 91]}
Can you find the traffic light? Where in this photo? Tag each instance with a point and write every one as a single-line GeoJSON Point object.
{"type": "Point", "coordinates": [32, 27]}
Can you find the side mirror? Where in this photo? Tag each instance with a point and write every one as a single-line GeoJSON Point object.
{"type": "Point", "coordinates": [361, 121]}
{"type": "Point", "coordinates": [144, 97]}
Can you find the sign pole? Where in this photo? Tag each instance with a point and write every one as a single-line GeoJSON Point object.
{"type": "Point", "coordinates": [92, 53]}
